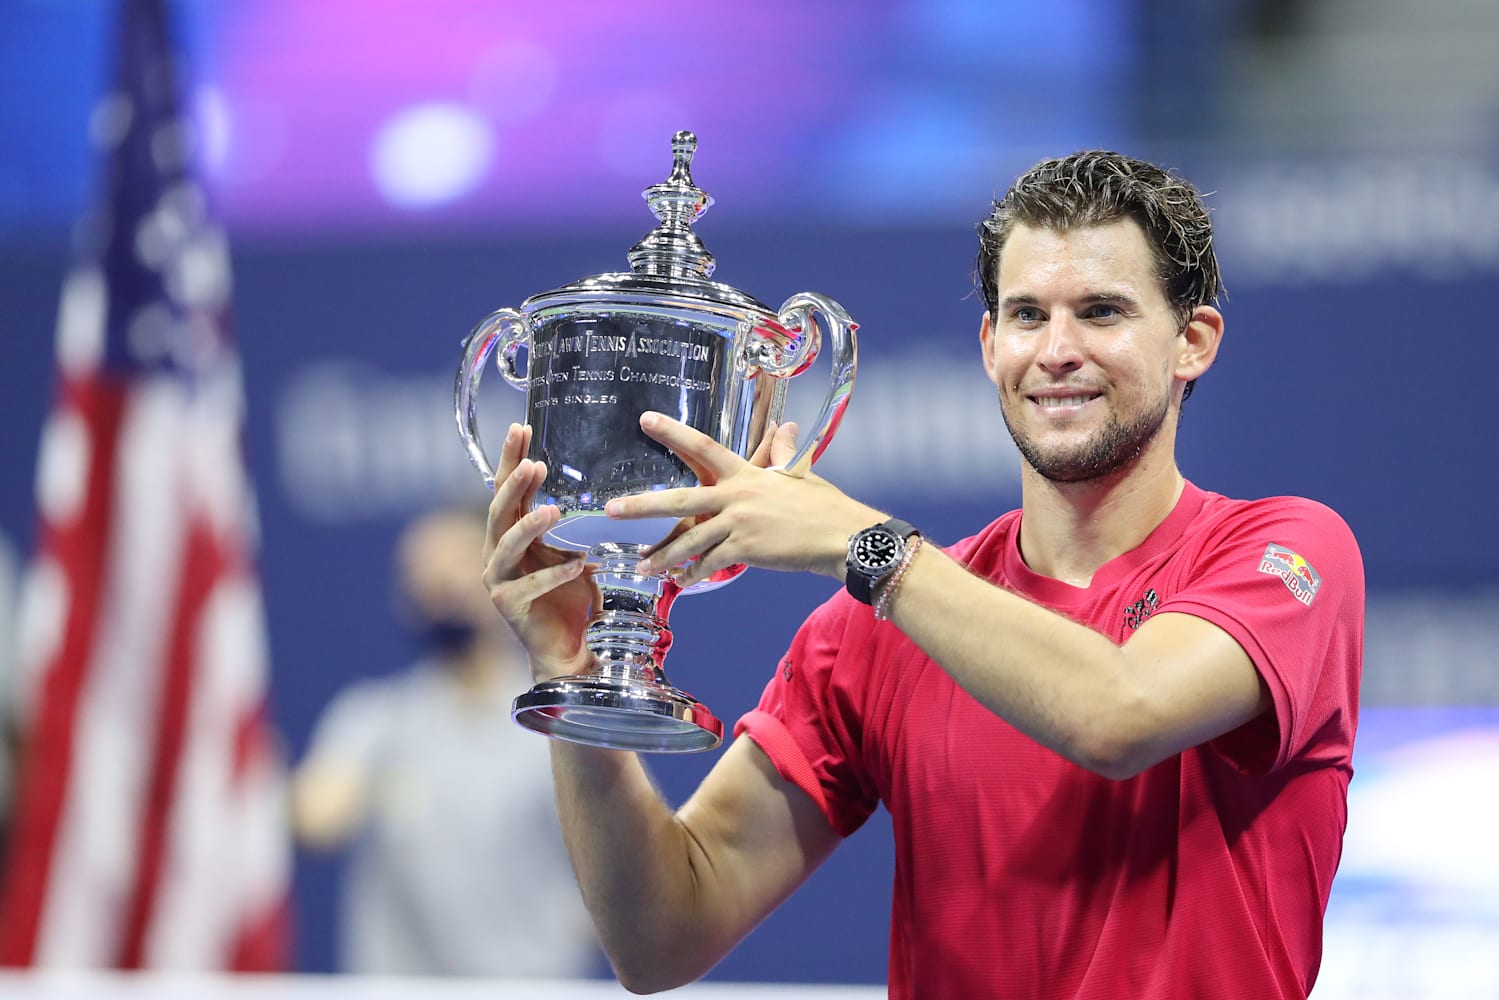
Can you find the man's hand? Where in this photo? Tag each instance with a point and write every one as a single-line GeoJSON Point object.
{"type": "Point", "coordinates": [744, 512]}
{"type": "Point", "coordinates": [545, 594]}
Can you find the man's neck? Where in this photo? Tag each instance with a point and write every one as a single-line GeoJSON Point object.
{"type": "Point", "coordinates": [472, 671]}
{"type": "Point", "coordinates": [1069, 530]}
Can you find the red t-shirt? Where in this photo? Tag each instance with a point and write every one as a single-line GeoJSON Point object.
{"type": "Point", "coordinates": [1019, 873]}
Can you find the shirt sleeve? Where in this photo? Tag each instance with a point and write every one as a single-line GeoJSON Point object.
{"type": "Point", "coordinates": [1285, 578]}
{"type": "Point", "coordinates": [350, 726]}
{"type": "Point", "coordinates": [809, 719]}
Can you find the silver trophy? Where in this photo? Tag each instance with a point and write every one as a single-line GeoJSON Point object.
{"type": "Point", "coordinates": [597, 354]}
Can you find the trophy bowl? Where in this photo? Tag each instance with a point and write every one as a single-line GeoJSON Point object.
{"type": "Point", "coordinates": [597, 354]}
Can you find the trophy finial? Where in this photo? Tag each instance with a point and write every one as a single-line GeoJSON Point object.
{"type": "Point", "coordinates": [672, 249]}
{"type": "Point", "coordinates": [683, 145]}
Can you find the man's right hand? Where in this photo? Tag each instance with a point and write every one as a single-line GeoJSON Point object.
{"type": "Point", "coordinates": [545, 594]}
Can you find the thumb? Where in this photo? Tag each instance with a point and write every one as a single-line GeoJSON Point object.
{"type": "Point", "coordinates": [761, 455]}
{"type": "Point", "coordinates": [783, 447]}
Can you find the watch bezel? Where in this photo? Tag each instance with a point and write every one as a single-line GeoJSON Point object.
{"type": "Point", "coordinates": [865, 540]}
{"type": "Point", "coordinates": [862, 578]}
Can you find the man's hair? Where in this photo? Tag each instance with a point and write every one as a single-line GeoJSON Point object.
{"type": "Point", "coordinates": [1094, 188]}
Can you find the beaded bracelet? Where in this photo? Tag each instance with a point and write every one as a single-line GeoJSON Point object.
{"type": "Point", "coordinates": [887, 595]}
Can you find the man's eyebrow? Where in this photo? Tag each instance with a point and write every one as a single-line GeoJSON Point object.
{"type": "Point", "coordinates": [1117, 295]}
{"type": "Point", "coordinates": [1092, 298]}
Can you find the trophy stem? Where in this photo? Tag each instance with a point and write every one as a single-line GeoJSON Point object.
{"type": "Point", "coordinates": [623, 700]}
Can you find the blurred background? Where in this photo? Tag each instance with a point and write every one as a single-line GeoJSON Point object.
{"type": "Point", "coordinates": [388, 173]}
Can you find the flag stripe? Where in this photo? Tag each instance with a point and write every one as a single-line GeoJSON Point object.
{"type": "Point", "coordinates": [150, 830]}
{"type": "Point", "coordinates": [115, 726]}
{"type": "Point", "coordinates": [79, 547]}
{"type": "Point", "coordinates": [261, 944]}
{"type": "Point", "coordinates": [202, 565]}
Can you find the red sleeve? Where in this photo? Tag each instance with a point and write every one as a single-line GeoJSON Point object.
{"type": "Point", "coordinates": [809, 720]}
{"type": "Point", "coordinates": [1284, 577]}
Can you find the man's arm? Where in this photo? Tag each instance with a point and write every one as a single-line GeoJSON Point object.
{"type": "Point", "coordinates": [670, 894]}
{"type": "Point", "coordinates": [1178, 682]}
{"type": "Point", "coordinates": [1116, 710]}
{"type": "Point", "coordinates": [329, 800]}
{"type": "Point", "coordinates": [330, 795]}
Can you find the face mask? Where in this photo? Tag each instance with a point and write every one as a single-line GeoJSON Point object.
{"type": "Point", "coordinates": [446, 636]}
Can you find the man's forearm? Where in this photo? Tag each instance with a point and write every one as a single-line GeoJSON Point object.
{"type": "Point", "coordinates": [634, 864]}
{"type": "Point", "coordinates": [1059, 682]}
{"type": "Point", "coordinates": [1115, 710]}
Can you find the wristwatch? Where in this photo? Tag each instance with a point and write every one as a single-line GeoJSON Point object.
{"type": "Point", "coordinates": [873, 554]}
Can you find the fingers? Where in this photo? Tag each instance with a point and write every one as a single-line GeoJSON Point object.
{"type": "Point", "coordinates": [515, 489]}
{"type": "Point", "coordinates": [517, 443]}
{"type": "Point", "coordinates": [709, 459]}
{"type": "Point", "coordinates": [783, 445]}
{"type": "Point", "coordinates": [762, 455]}
{"type": "Point", "coordinates": [513, 526]}
{"type": "Point", "coordinates": [688, 501]}
{"type": "Point", "coordinates": [503, 562]}
{"type": "Point", "coordinates": [510, 453]}
{"type": "Point", "coordinates": [697, 541]}
{"type": "Point", "coordinates": [512, 597]}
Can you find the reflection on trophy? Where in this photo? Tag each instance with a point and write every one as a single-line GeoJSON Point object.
{"type": "Point", "coordinates": [597, 354]}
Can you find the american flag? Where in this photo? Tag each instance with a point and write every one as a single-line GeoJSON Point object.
{"type": "Point", "coordinates": [150, 825]}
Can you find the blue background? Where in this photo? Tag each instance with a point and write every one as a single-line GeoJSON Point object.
{"type": "Point", "coordinates": [854, 161]}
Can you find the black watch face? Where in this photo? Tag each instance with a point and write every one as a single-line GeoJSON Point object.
{"type": "Point", "coordinates": [877, 551]}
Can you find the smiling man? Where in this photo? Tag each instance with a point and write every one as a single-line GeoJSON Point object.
{"type": "Point", "coordinates": [1113, 729]}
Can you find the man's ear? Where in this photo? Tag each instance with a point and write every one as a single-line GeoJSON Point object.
{"type": "Point", "coordinates": [1199, 343]}
{"type": "Point", "coordinates": [986, 346]}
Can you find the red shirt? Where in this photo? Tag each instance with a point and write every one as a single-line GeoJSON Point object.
{"type": "Point", "coordinates": [1019, 873]}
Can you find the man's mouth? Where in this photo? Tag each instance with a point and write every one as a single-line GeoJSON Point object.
{"type": "Point", "coordinates": [1060, 402]}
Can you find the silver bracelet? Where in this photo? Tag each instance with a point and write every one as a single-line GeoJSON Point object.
{"type": "Point", "coordinates": [887, 595]}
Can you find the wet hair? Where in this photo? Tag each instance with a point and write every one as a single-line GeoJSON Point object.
{"type": "Point", "coordinates": [1095, 188]}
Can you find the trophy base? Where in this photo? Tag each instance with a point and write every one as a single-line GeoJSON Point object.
{"type": "Point", "coordinates": [619, 714]}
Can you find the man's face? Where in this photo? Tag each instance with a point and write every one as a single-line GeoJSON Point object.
{"type": "Point", "coordinates": [436, 559]}
{"type": "Point", "coordinates": [1083, 349]}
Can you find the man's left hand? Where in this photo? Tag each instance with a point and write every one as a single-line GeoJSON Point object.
{"type": "Point", "coordinates": [750, 511]}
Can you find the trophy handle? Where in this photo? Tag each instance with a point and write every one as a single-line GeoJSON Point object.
{"type": "Point", "coordinates": [508, 329]}
{"type": "Point", "coordinates": [812, 314]}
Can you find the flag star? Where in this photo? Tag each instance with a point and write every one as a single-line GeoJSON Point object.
{"type": "Point", "coordinates": [80, 322]}
{"type": "Point", "coordinates": [170, 146]}
{"type": "Point", "coordinates": [62, 466]}
{"type": "Point", "coordinates": [187, 201]}
{"type": "Point", "coordinates": [199, 277]}
{"type": "Point", "coordinates": [158, 235]}
{"type": "Point", "coordinates": [110, 121]}
{"type": "Point", "coordinates": [45, 596]}
{"type": "Point", "coordinates": [151, 332]}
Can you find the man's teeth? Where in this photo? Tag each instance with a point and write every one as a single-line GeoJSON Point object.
{"type": "Point", "coordinates": [1048, 402]}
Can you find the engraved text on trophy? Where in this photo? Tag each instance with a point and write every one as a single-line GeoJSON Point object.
{"type": "Point", "coordinates": [590, 379]}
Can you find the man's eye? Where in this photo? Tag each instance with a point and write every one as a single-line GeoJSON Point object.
{"type": "Point", "coordinates": [1103, 310]}
{"type": "Point", "coordinates": [1027, 314]}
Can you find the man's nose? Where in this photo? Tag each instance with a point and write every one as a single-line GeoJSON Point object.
{"type": "Point", "coordinates": [1061, 348]}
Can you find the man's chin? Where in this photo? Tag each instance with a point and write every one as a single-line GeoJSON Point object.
{"type": "Point", "coordinates": [1077, 465]}
{"type": "Point", "coordinates": [1062, 474]}
{"type": "Point", "coordinates": [1086, 456]}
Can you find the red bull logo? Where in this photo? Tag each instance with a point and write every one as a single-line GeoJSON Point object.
{"type": "Point", "coordinates": [1299, 577]}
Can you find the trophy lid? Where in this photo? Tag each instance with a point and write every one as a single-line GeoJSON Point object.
{"type": "Point", "coordinates": [670, 265]}
{"type": "Point", "coordinates": [672, 248]}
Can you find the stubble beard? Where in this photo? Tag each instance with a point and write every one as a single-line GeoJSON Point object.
{"type": "Point", "coordinates": [1116, 447]}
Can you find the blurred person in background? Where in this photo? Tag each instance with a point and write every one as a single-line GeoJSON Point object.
{"type": "Point", "coordinates": [1114, 729]}
{"type": "Point", "coordinates": [457, 865]}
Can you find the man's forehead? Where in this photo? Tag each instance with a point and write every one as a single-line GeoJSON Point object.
{"type": "Point", "coordinates": [1111, 252]}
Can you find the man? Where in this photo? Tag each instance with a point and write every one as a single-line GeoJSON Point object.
{"type": "Point", "coordinates": [1113, 729]}
{"type": "Point", "coordinates": [458, 866]}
